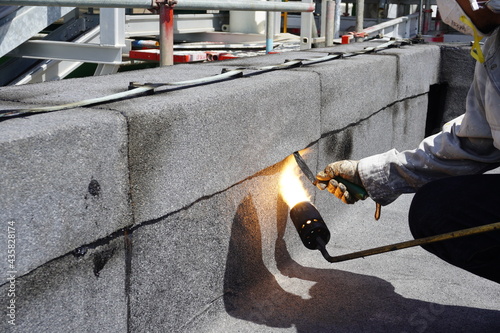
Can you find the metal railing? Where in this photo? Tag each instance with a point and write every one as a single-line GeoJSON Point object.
{"type": "Point", "coordinates": [391, 28]}
{"type": "Point", "coordinates": [165, 9]}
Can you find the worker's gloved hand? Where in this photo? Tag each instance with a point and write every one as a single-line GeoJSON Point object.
{"type": "Point", "coordinates": [348, 170]}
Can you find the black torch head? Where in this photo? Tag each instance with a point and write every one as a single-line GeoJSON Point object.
{"type": "Point", "coordinates": [309, 225]}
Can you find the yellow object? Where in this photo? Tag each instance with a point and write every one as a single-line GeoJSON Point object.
{"type": "Point", "coordinates": [476, 51]}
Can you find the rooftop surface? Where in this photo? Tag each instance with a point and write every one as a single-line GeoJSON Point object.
{"type": "Point", "coordinates": [177, 195]}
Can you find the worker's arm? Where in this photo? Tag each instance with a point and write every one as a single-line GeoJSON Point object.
{"type": "Point", "coordinates": [388, 175]}
{"type": "Point", "coordinates": [468, 144]}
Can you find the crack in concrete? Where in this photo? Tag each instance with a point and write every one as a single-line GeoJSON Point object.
{"type": "Point", "coordinates": [201, 312]}
{"type": "Point", "coordinates": [361, 120]}
{"type": "Point", "coordinates": [128, 237]}
{"type": "Point", "coordinates": [127, 232]}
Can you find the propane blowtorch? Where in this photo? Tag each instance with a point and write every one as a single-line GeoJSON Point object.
{"type": "Point", "coordinates": [315, 235]}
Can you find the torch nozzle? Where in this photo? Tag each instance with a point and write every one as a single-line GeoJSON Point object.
{"type": "Point", "coordinates": [310, 225]}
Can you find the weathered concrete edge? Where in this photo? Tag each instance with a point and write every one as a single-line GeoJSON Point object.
{"type": "Point", "coordinates": [58, 195]}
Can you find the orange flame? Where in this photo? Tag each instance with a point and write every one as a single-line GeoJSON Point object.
{"type": "Point", "coordinates": [291, 187]}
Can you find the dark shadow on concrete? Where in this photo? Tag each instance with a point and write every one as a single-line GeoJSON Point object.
{"type": "Point", "coordinates": [436, 108]}
{"type": "Point", "coordinates": [340, 301]}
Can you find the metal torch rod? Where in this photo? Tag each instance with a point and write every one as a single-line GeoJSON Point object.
{"type": "Point", "coordinates": [407, 244]}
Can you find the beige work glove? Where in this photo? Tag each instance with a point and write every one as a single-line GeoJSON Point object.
{"type": "Point", "coordinates": [348, 170]}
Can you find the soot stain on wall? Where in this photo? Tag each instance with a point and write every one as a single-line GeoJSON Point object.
{"type": "Point", "coordinates": [93, 192]}
{"type": "Point", "coordinates": [339, 145]}
{"type": "Point", "coordinates": [94, 188]}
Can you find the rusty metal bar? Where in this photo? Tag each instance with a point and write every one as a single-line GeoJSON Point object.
{"type": "Point", "coordinates": [166, 13]}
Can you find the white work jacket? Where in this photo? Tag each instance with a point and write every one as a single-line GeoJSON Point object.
{"type": "Point", "coordinates": [469, 144]}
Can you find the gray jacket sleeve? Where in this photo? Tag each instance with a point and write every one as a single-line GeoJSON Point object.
{"type": "Point", "coordinates": [468, 144]}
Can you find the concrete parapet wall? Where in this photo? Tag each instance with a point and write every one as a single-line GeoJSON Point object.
{"type": "Point", "coordinates": [162, 213]}
{"type": "Point", "coordinates": [457, 71]}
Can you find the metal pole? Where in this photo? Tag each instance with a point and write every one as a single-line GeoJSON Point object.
{"type": "Point", "coordinates": [390, 23]}
{"type": "Point", "coordinates": [285, 22]}
{"type": "Point", "coordinates": [269, 31]}
{"type": "Point", "coordinates": [330, 22]}
{"type": "Point", "coordinates": [360, 13]}
{"type": "Point", "coordinates": [427, 17]}
{"type": "Point", "coordinates": [112, 33]}
{"type": "Point", "coordinates": [306, 20]}
{"type": "Point", "coordinates": [420, 17]}
{"type": "Point", "coordinates": [166, 34]}
{"type": "Point", "coordinates": [322, 27]}
{"type": "Point", "coordinates": [336, 33]}
{"type": "Point", "coordinates": [246, 5]}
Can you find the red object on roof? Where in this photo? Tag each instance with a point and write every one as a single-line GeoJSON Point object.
{"type": "Point", "coordinates": [179, 57]}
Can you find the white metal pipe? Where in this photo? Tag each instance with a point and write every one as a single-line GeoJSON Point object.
{"type": "Point", "coordinates": [336, 33]}
{"type": "Point", "coordinates": [81, 3]}
{"type": "Point", "coordinates": [330, 22]}
{"type": "Point", "coordinates": [271, 6]}
{"type": "Point", "coordinates": [181, 4]}
{"type": "Point", "coordinates": [269, 30]}
{"type": "Point", "coordinates": [112, 23]}
{"type": "Point", "coordinates": [306, 20]}
{"type": "Point", "coordinates": [360, 14]}
{"type": "Point", "coordinates": [390, 23]}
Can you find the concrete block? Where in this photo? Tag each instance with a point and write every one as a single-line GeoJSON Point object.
{"type": "Point", "coordinates": [64, 182]}
{"type": "Point", "coordinates": [210, 130]}
{"type": "Point", "coordinates": [418, 68]}
{"type": "Point", "coordinates": [74, 90]}
{"type": "Point", "coordinates": [457, 73]}
{"type": "Point", "coordinates": [400, 126]}
{"type": "Point", "coordinates": [189, 144]}
{"type": "Point", "coordinates": [355, 88]}
{"type": "Point", "coordinates": [343, 81]}
{"type": "Point", "coordinates": [457, 65]}
{"type": "Point", "coordinates": [369, 75]}
{"type": "Point", "coordinates": [190, 267]}
{"type": "Point", "coordinates": [70, 294]}
{"type": "Point", "coordinates": [349, 49]}
{"type": "Point", "coordinates": [269, 59]}
{"type": "Point", "coordinates": [221, 116]}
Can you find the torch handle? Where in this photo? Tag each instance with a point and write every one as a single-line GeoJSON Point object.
{"type": "Point", "coordinates": [356, 190]}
